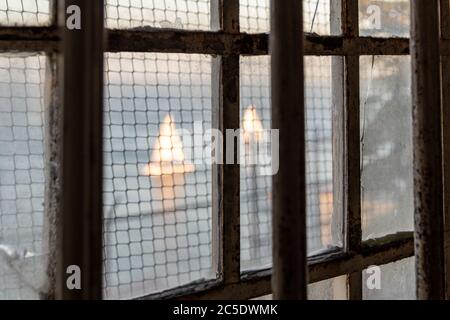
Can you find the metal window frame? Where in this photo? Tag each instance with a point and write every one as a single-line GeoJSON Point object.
{"type": "Point", "coordinates": [227, 45]}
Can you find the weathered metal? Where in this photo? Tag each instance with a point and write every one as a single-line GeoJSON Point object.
{"type": "Point", "coordinates": [427, 144]}
{"type": "Point", "coordinates": [226, 103]}
{"type": "Point", "coordinates": [352, 149]}
{"type": "Point", "coordinates": [53, 181]}
{"type": "Point", "coordinates": [289, 184]}
{"type": "Point", "coordinates": [206, 42]}
{"type": "Point", "coordinates": [81, 96]}
{"type": "Point", "coordinates": [445, 89]}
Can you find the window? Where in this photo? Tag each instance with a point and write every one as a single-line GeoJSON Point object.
{"type": "Point", "coordinates": [173, 225]}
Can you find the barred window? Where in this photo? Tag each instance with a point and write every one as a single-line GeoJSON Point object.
{"type": "Point", "coordinates": [160, 219]}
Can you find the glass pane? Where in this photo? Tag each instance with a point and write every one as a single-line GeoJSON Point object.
{"type": "Point", "coordinates": [24, 12]}
{"type": "Point", "coordinates": [386, 148]}
{"type": "Point", "coordinates": [255, 16]}
{"type": "Point", "coordinates": [332, 289]}
{"type": "Point", "coordinates": [384, 18]}
{"type": "Point", "coordinates": [172, 14]}
{"type": "Point", "coordinates": [397, 282]}
{"type": "Point", "coordinates": [23, 250]}
{"type": "Point", "coordinates": [157, 197]}
{"type": "Point", "coordinates": [256, 181]}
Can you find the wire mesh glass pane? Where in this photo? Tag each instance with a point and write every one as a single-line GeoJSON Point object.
{"type": "Point", "coordinates": [157, 191]}
{"type": "Point", "coordinates": [384, 18]}
{"type": "Point", "coordinates": [256, 181]}
{"type": "Point", "coordinates": [24, 12]}
{"type": "Point", "coordinates": [23, 250]}
{"type": "Point", "coordinates": [173, 14]}
{"type": "Point", "coordinates": [255, 16]}
{"type": "Point", "coordinates": [386, 145]}
{"type": "Point", "coordinates": [394, 281]}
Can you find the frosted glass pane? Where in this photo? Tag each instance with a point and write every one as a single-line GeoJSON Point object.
{"type": "Point", "coordinates": [256, 185]}
{"type": "Point", "coordinates": [384, 18]}
{"type": "Point", "coordinates": [157, 197]}
{"type": "Point", "coordinates": [173, 14]}
{"type": "Point", "coordinates": [23, 230]}
{"type": "Point", "coordinates": [398, 282]}
{"type": "Point", "coordinates": [386, 146]}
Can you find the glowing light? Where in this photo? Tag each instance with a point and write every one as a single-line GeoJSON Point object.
{"type": "Point", "coordinates": [168, 156]}
{"type": "Point", "coordinates": [252, 125]}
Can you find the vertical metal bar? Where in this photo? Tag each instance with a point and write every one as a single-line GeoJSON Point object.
{"type": "Point", "coordinates": [81, 86]}
{"type": "Point", "coordinates": [338, 117]}
{"type": "Point", "coordinates": [445, 74]}
{"type": "Point", "coordinates": [53, 147]}
{"type": "Point", "coordinates": [352, 153]}
{"type": "Point", "coordinates": [428, 179]}
{"type": "Point", "coordinates": [226, 197]}
{"type": "Point", "coordinates": [53, 153]}
{"type": "Point", "coordinates": [289, 277]}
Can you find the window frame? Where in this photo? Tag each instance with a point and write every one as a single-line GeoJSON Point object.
{"type": "Point", "coordinates": [226, 45]}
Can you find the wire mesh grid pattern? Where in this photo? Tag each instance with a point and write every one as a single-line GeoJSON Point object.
{"type": "Point", "coordinates": [196, 14]}
{"type": "Point", "coordinates": [22, 227]}
{"type": "Point", "coordinates": [256, 185]}
{"type": "Point", "coordinates": [24, 12]}
{"type": "Point", "coordinates": [157, 189]}
{"type": "Point", "coordinates": [254, 16]}
{"type": "Point", "coordinates": [384, 18]}
{"type": "Point", "coordinates": [319, 155]}
{"type": "Point", "coordinates": [174, 14]}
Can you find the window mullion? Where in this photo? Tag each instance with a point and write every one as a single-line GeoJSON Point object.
{"type": "Point", "coordinates": [81, 96]}
{"type": "Point", "coordinates": [289, 277]}
{"type": "Point", "coordinates": [445, 74]}
{"type": "Point", "coordinates": [352, 154]}
{"type": "Point", "coordinates": [226, 196]}
{"type": "Point", "coordinates": [427, 150]}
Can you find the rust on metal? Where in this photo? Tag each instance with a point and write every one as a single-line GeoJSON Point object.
{"type": "Point", "coordinates": [427, 159]}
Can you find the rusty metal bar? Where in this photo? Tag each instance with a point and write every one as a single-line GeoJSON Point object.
{"type": "Point", "coordinates": [205, 42]}
{"type": "Point", "coordinates": [288, 115]}
{"type": "Point", "coordinates": [53, 179]}
{"type": "Point", "coordinates": [445, 90]}
{"type": "Point", "coordinates": [226, 210]}
{"type": "Point", "coordinates": [158, 40]}
{"type": "Point", "coordinates": [427, 161]}
{"type": "Point", "coordinates": [29, 39]}
{"type": "Point", "coordinates": [53, 156]}
{"type": "Point", "coordinates": [327, 266]}
{"type": "Point", "coordinates": [81, 89]}
{"type": "Point", "coordinates": [230, 43]}
{"type": "Point", "coordinates": [352, 153]}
